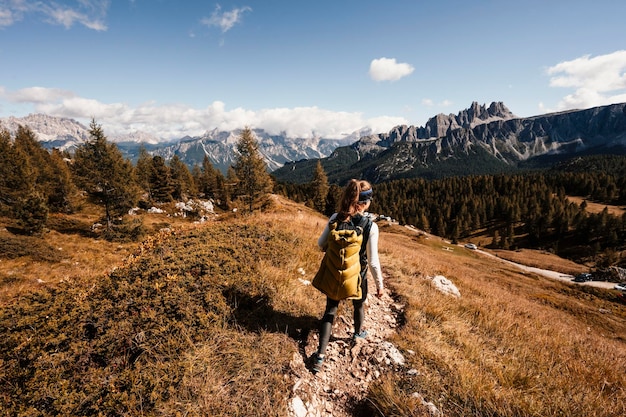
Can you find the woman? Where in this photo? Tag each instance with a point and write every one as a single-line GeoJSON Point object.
{"type": "Point", "coordinates": [352, 206]}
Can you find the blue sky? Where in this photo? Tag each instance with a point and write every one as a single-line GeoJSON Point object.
{"type": "Point", "coordinates": [327, 68]}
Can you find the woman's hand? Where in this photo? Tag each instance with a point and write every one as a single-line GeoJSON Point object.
{"type": "Point", "coordinates": [379, 292]}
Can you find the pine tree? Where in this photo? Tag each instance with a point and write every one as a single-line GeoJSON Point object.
{"type": "Point", "coordinates": [51, 178]}
{"type": "Point", "coordinates": [182, 181]}
{"type": "Point", "coordinates": [334, 193]}
{"type": "Point", "coordinates": [160, 181]}
{"type": "Point", "coordinates": [32, 213]}
{"type": "Point", "coordinates": [10, 177]}
{"type": "Point", "coordinates": [250, 168]}
{"type": "Point", "coordinates": [230, 184]}
{"type": "Point", "coordinates": [143, 170]}
{"type": "Point", "coordinates": [101, 170]}
{"type": "Point", "coordinates": [319, 187]}
{"type": "Point", "coordinates": [62, 190]}
{"type": "Point", "coordinates": [210, 179]}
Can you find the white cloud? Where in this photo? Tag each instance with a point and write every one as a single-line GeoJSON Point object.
{"type": "Point", "coordinates": [225, 21]}
{"type": "Point", "coordinates": [387, 69]}
{"type": "Point", "coordinates": [38, 95]}
{"type": "Point", "coordinates": [175, 121]}
{"type": "Point", "coordinates": [597, 81]}
{"type": "Point", "coordinates": [430, 103]}
{"type": "Point", "coordinates": [89, 13]}
{"type": "Point", "coordinates": [7, 17]}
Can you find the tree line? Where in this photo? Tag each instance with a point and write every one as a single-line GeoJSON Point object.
{"type": "Point", "coordinates": [35, 182]}
{"type": "Point", "coordinates": [515, 210]}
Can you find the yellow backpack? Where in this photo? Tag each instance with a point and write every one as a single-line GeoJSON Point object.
{"type": "Point", "coordinates": [339, 276]}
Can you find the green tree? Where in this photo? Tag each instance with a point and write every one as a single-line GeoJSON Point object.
{"type": "Point", "coordinates": [16, 175]}
{"type": "Point", "coordinates": [62, 191]}
{"type": "Point", "coordinates": [229, 187]}
{"type": "Point", "coordinates": [32, 213]}
{"type": "Point", "coordinates": [320, 188]}
{"type": "Point", "coordinates": [101, 170]}
{"type": "Point", "coordinates": [143, 170]}
{"type": "Point", "coordinates": [182, 180]}
{"type": "Point", "coordinates": [161, 187]}
{"type": "Point", "coordinates": [26, 169]}
{"type": "Point", "coordinates": [250, 168]}
{"type": "Point", "coordinates": [211, 180]}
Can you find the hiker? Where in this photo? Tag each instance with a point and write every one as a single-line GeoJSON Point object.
{"type": "Point", "coordinates": [351, 210]}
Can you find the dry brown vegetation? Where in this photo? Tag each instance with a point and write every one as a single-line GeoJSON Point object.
{"type": "Point", "coordinates": [541, 259]}
{"type": "Point", "coordinates": [205, 320]}
{"type": "Point", "coordinates": [512, 345]}
{"type": "Point", "coordinates": [598, 207]}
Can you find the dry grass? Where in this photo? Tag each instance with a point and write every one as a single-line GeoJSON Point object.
{"type": "Point", "coordinates": [597, 207]}
{"type": "Point", "coordinates": [541, 259]}
{"type": "Point", "coordinates": [69, 251]}
{"type": "Point", "coordinates": [512, 345]}
{"type": "Point", "coordinates": [206, 320]}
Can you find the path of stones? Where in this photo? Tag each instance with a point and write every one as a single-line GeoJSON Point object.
{"type": "Point", "coordinates": [349, 367]}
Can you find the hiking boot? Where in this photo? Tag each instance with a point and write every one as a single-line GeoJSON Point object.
{"type": "Point", "coordinates": [318, 362]}
{"type": "Point", "coordinates": [361, 335]}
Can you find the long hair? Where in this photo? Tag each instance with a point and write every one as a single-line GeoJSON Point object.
{"type": "Point", "coordinates": [349, 204]}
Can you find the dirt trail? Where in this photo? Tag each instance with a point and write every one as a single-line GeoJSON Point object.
{"type": "Point", "coordinates": [349, 367]}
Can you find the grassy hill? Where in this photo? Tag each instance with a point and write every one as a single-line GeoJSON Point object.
{"type": "Point", "coordinates": [204, 319]}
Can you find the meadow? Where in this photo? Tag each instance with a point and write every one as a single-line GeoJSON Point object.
{"type": "Point", "coordinates": [204, 319]}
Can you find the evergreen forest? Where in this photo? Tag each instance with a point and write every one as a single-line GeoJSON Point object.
{"type": "Point", "coordinates": [35, 182]}
{"type": "Point", "coordinates": [503, 211]}
{"type": "Point", "coordinates": [511, 211]}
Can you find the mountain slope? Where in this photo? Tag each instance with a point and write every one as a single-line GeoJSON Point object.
{"type": "Point", "coordinates": [495, 141]}
{"type": "Point", "coordinates": [204, 320]}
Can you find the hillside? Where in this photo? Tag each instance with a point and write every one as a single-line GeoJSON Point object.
{"type": "Point", "coordinates": [217, 319]}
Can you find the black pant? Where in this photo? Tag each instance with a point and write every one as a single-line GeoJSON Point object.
{"type": "Point", "coordinates": [331, 311]}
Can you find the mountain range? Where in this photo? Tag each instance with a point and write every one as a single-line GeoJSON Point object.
{"type": "Point", "coordinates": [478, 140]}
{"type": "Point", "coordinates": [219, 146]}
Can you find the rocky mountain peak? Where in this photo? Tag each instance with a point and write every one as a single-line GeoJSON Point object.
{"type": "Point", "coordinates": [48, 128]}
{"type": "Point", "coordinates": [474, 115]}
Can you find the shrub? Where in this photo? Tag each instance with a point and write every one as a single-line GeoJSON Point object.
{"type": "Point", "coordinates": [162, 334]}
{"type": "Point", "coordinates": [32, 213]}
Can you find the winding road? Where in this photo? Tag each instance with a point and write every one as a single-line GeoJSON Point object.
{"type": "Point", "coordinates": [551, 274]}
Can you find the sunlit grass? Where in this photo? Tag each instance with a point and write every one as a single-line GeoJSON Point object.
{"type": "Point", "coordinates": [513, 344]}
{"type": "Point", "coordinates": [204, 319]}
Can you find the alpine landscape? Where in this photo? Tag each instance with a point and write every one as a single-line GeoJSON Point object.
{"type": "Point", "coordinates": [189, 306]}
{"type": "Point", "coordinates": [168, 171]}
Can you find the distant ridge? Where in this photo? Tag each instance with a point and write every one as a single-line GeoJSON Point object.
{"type": "Point", "coordinates": [479, 140]}
{"type": "Point", "coordinates": [219, 146]}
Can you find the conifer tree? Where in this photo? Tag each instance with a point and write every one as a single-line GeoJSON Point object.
{"type": "Point", "coordinates": [101, 170]}
{"type": "Point", "coordinates": [62, 190]}
{"type": "Point", "coordinates": [183, 184]}
{"type": "Point", "coordinates": [210, 179]}
{"type": "Point", "coordinates": [230, 184]}
{"type": "Point", "coordinates": [319, 187]}
{"type": "Point", "coordinates": [32, 213]}
{"type": "Point", "coordinates": [143, 170]}
{"type": "Point", "coordinates": [251, 171]}
{"type": "Point", "coordinates": [160, 181]}
{"type": "Point", "coordinates": [8, 166]}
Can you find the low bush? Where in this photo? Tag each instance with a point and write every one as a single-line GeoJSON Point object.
{"type": "Point", "coordinates": [166, 333]}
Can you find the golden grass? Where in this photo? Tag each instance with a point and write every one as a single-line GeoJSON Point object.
{"type": "Point", "coordinates": [541, 259]}
{"type": "Point", "coordinates": [514, 344]}
{"type": "Point", "coordinates": [598, 207]}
